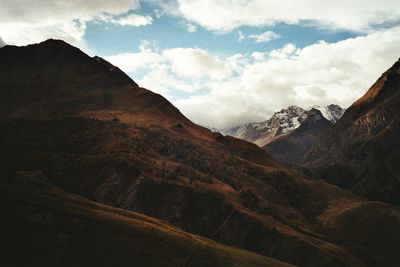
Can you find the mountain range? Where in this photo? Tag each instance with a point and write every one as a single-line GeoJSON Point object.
{"type": "Point", "coordinates": [98, 171]}
{"type": "Point", "coordinates": [289, 133]}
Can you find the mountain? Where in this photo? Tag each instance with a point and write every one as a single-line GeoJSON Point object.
{"type": "Point", "coordinates": [361, 152]}
{"type": "Point", "coordinates": [110, 151]}
{"type": "Point", "coordinates": [331, 112]}
{"type": "Point", "coordinates": [290, 133]}
{"type": "Point", "coordinates": [281, 123]}
{"type": "Point", "coordinates": [291, 148]}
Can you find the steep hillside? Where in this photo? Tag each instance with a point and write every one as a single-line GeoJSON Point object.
{"type": "Point", "coordinates": [361, 152]}
{"type": "Point", "coordinates": [137, 152]}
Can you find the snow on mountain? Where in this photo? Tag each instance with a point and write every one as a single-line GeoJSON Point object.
{"type": "Point", "coordinates": [331, 112]}
{"type": "Point", "coordinates": [281, 123]}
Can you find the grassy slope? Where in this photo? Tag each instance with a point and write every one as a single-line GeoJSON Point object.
{"type": "Point", "coordinates": [49, 227]}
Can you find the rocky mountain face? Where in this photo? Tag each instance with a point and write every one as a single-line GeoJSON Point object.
{"type": "Point", "coordinates": [292, 148]}
{"type": "Point", "coordinates": [281, 123]}
{"type": "Point", "coordinates": [361, 152]}
{"type": "Point", "coordinates": [86, 153]}
{"type": "Point", "coordinates": [289, 133]}
{"type": "Point", "coordinates": [330, 112]}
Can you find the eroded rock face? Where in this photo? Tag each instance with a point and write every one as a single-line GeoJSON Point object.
{"type": "Point", "coordinates": [361, 152]}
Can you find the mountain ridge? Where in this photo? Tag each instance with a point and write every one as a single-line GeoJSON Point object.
{"type": "Point", "coordinates": [363, 157]}
{"type": "Point", "coordinates": [280, 123]}
{"type": "Point", "coordinates": [294, 146]}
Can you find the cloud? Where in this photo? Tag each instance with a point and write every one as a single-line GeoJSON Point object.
{"type": "Point", "coordinates": [321, 73]}
{"type": "Point", "coordinates": [189, 27]}
{"type": "Point", "coordinates": [258, 38]}
{"type": "Point", "coordinates": [23, 22]}
{"type": "Point", "coordinates": [196, 63]}
{"type": "Point", "coordinates": [172, 70]}
{"type": "Point", "coordinates": [265, 37]}
{"type": "Point", "coordinates": [132, 20]}
{"type": "Point", "coordinates": [2, 43]}
{"type": "Point", "coordinates": [161, 80]}
{"type": "Point", "coordinates": [226, 15]}
{"type": "Point", "coordinates": [226, 91]}
{"type": "Point", "coordinates": [146, 59]}
{"type": "Point", "coordinates": [283, 52]}
{"type": "Point", "coordinates": [193, 63]}
{"type": "Point", "coordinates": [240, 36]}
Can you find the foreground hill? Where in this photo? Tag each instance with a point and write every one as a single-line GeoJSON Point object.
{"type": "Point", "coordinates": [93, 132]}
{"type": "Point", "coordinates": [47, 226]}
{"type": "Point", "coordinates": [362, 151]}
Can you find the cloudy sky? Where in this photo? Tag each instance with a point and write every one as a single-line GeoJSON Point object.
{"type": "Point", "coordinates": [225, 62]}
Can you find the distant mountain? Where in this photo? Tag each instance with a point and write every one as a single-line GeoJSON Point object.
{"type": "Point", "coordinates": [281, 123]}
{"type": "Point", "coordinates": [87, 157]}
{"type": "Point", "coordinates": [362, 151]}
{"type": "Point", "coordinates": [292, 147]}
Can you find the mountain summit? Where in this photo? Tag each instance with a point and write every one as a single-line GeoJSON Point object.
{"type": "Point", "coordinates": [54, 79]}
{"type": "Point", "coordinates": [281, 123]}
{"type": "Point", "coordinates": [289, 133]}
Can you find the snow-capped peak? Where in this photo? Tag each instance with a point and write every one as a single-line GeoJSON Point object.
{"type": "Point", "coordinates": [280, 123]}
{"type": "Point", "coordinates": [331, 112]}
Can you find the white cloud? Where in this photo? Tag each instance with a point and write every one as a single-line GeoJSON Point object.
{"type": "Point", "coordinates": [250, 87]}
{"type": "Point", "coordinates": [196, 63]}
{"type": "Point", "coordinates": [225, 15]}
{"type": "Point", "coordinates": [240, 36]}
{"type": "Point", "coordinates": [258, 38]}
{"type": "Point", "coordinates": [284, 52]}
{"type": "Point", "coordinates": [189, 27]}
{"type": "Point", "coordinates": [173, 70]}
{"type": "Point", "coordinates": [132, 62]}
{"type": "Point", "coordinates": [259, 56]}
{"type": "Point", "coordinates": [265, 37]}
{"type": "Point", "coordinates": [24, 21]}
{"type": "Point", "coordinates": [132, 20]}
{"type": "Point", "coordinates": [192, 63]}
{"type": "Point", "coordinates": [160, 80]}
{"type": "Point", "coordinates": [322, 73]}
{"type": "Point", "coordinates": [2, 43]}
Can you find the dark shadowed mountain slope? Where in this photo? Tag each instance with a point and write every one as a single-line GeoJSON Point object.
{"type": "Point", "coordinates": [362, 151]}
{"type": "Point", "coordinates": [54, 79]}
{"type": "Point", "coordinates": [47, 226]}
{"type": "Point", "coordinates": [113, 142]}
{"type": "Point", "coordinates": [292, 148]}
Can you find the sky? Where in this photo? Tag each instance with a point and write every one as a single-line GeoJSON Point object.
{"type": "Point", "coordinates": [225, 62]}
